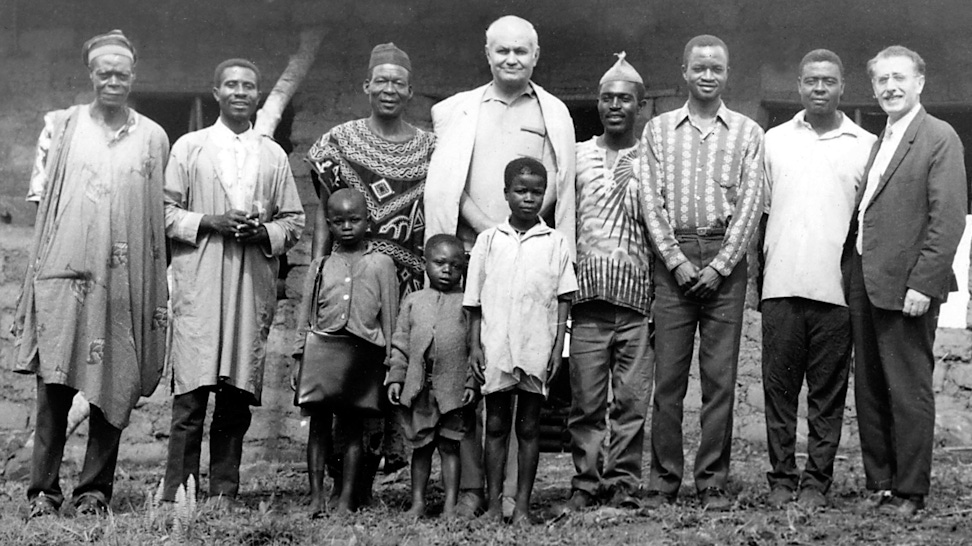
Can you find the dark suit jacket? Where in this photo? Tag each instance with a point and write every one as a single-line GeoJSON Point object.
{"type": "Point", "coordinates": [916, 217]}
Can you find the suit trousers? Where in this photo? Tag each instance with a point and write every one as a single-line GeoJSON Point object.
{"type": "Point", "coordinates": [718, 321]}
{"type": "Point", "coordinates": [231, 420]}
{"type": "Point", "coordinates": [609, 344]}
{"type": "Point", "coordinates": [809, 339]}
{"type": "Point", "coordinates": [893, 389]}
{"type": "Point", "coordinates": [50, 434]}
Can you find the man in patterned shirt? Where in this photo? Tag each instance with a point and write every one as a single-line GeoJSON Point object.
{"type": "Point", "coordinates": [702, 176]}
{"type": "Point", "coordinates": [610, 335]}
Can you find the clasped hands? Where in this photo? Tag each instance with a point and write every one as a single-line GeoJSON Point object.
{"type": "Point", "coordinates": [702, 284]}
{"type": "Point", "coordinates": [238, 225]}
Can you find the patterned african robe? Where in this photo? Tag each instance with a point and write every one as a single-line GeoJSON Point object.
{"type": "Point", "coordinates": [391, 175]}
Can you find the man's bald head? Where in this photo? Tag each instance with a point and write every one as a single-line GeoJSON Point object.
{"type": "Point", "coordinates": [511, 24]}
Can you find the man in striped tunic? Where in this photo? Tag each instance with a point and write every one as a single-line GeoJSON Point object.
{"type": "Point", "coordinates": [610, 334]}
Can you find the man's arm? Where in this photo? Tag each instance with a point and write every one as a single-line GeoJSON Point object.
{"type": "Point", "coordinates": [653, 207]}
{"type": "Point", "coordinates": [947, 198]}
{"type": "Point", "coordinates": [472, 214]}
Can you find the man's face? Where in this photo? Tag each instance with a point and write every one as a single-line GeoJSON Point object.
{"type": "Point", "coordinates": [112, 76]}
{"type": "Point", "coordinates": [237, 94]}
{"type": "Point", "coordinates": [512, 54]}
{"type": "Point", "coordinates": [618, 106]}
{"type": "Point", "coordinates": [897, 85]}
{"type": "Point", "coordinates": [389, 89]}
{"type": "Point", "coordinates": [706, 71]}
{"type": "Point", "coordinates": [821, 87]}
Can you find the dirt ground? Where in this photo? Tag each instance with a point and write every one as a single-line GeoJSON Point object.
{"type": "Point", "coordinates": [275, 513]}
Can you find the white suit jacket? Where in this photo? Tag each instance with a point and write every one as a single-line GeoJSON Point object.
{"type": "Point", "coordinates": [454, 121]}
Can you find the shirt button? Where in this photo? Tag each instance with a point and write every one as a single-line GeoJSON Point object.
{"type": "Point", "coordinates": [347, 297]}
{"type": "Point", "coordinates": [343, 316]}
{"type": "Point", "coordinates": [347, 279]}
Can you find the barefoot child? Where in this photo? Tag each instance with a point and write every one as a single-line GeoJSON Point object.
{"type": "Point", "coordinates": [430, 379]}
{"type": "Point", "coordinates": [357, 296]}
{"type": "Point", "coordinates": [518, 291]}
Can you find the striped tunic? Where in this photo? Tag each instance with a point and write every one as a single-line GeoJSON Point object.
{"type": "Point", "coordinates": [703, 183]}
{"type": "Point", "coordinates": [613, 253]}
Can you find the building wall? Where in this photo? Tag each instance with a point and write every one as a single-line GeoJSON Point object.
{"type": "Point", "coordinates": [180, 41]}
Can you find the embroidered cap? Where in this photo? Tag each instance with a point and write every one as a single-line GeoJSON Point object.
{"type": "Point", "coordinates": [113, 42]}
{"type": "Point", "coordinates": [389, 54]}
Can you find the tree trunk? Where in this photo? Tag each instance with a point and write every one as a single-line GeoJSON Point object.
{"type": "Point", "coordinates": [269, 116]}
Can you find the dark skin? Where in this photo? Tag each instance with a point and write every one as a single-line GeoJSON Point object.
{"type": "Point", "coordinates": [525, 195]}
{"type": "Point", "coordinates": [237, 96]}
{"type": "Point", "coordinates": [348, 223]}
{"type": "Point", "coordinates": [444, 264]}
{"type": "Point", "coordinates": [389, 89]}
{"type": "Point", "coordinates": [618, 105]}
{"type": "Point", "coordinates": [706, 70]}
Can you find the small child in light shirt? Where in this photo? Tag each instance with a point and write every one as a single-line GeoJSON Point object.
{"type": "Point", "coordinates": [430, 380]}
{"type": "Point", "coordinates": [518, 292]}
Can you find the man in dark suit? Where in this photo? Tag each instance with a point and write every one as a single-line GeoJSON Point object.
{"type": "Point", "coordinates": [910, 217]}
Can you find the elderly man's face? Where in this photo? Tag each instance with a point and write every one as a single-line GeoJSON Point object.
{"type": "Point", "coordinates": [389, 90]}
{"type": "Point", "coordinates": [512, 53]}
{"type": "Point", "coordinates": [112, 76]}
{"type": "Point", "coordinates": [897, 85]}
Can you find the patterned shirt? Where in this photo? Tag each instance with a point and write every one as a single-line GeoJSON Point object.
{"type": "Point", "coordinates": [702, 182]}
{"type": "Point", "coordinates": [613, 254]}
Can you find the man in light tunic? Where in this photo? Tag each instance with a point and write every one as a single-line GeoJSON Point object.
{"type": "Point", "coordinates": [231, 209]}
{"type": "Point", "coordinates": [92, 314]}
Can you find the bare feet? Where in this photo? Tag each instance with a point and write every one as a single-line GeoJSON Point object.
{"type": "Point", "coordinates": [318, 506]}
{"type": "Point", "coordinates": [495, 513]}
{"type": "Point", "coordinates": [521, 518]}
{"type": "Point", "coordinates": [343, 507]}
{"type": "Point", "coordinates": [417, 510]}
{"type": "Point", "coordinates": [449, 512]}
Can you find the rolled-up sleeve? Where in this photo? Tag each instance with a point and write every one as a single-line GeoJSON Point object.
{"type": "Point", "coordinates": [38, 175]}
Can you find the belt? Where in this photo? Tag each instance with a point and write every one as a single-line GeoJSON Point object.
{"type": "Point", "coordinates": [702, 232]}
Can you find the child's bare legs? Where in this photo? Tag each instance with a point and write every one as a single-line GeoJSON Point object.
{"type": "Point", "coordinates": [318, 450]}
{"type": "Point", "coordinates": [528, 437]}
{"type": "Point", "coordinates": [353, 454]}
{"type": "Point", "coordinates": [498, 417]}
{"type": "Point", "coordinates": [449, 454]}
{"type": "Point", "coordinates": [421, 469]}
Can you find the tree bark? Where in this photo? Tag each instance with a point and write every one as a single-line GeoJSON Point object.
{"type": "Point", "coordinates": [269, 116]}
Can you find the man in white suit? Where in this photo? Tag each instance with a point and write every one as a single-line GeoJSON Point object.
{"type": "Point", "coordinates": [477, 133]}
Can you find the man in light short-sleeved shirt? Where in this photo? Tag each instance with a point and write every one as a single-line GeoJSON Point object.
{"type": "Point", "coordinates": [814, 164]}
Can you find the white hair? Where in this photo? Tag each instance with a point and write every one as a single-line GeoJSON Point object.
{"type": "Point", "coordinates": [510, 20]}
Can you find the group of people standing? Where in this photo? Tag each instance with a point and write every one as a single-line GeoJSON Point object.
{"type": "Point", "coordinates": [642, 239]}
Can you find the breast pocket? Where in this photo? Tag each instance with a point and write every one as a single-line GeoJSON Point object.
{"type": "Point", "coordinates": [530, 142]}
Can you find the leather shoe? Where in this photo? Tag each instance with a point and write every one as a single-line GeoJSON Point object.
{"type": "Point", "coordinates": [875, 500]}
{"type": "Point", "coordinates": [623, 499]}
{"type": "Point", "coordinates": [779, 496]}
{"type": "Point", "coordinates": [470, 504]}
{"type": "Point", "coordinates": [714, 499]}
{"type": "Point", "coordinates": [90, 505]}
{"type": "Point", "coordinates": [42, 505]}
{"type": "Point", "coordinates": [656, 499]}
{"type": "Point", "coordinates": [811, 498]}
{"type": "Point", "coordinates": [904, 506]}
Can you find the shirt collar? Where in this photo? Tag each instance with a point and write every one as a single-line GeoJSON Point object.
{"type": "Point", "coordinates": [539, 228]}
{"type": "Point", "coordinates": [900, 126]}
{"type": "Point", "coordinates": [224, 135]}
{"type": "Point", "coordinates": [490, 93]}
{"type": "Point", "coordinates": [846, 127]}
{"type": "Point", "coordinates": [722, 114]}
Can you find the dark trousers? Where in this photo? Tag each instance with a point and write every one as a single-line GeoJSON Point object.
{"type": "Point", "coordinates": [811, 339]}
{"type": "Point", "coordinates": [893, 390]}
{"type": "Point", "coordinates": [719, 323]}
{"type": "Point", "coordinates": [98, 473]}
{"type": "Point", "coordinates": [231, 420]}
{"type": "Point", "coordinates": [608, 345]}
